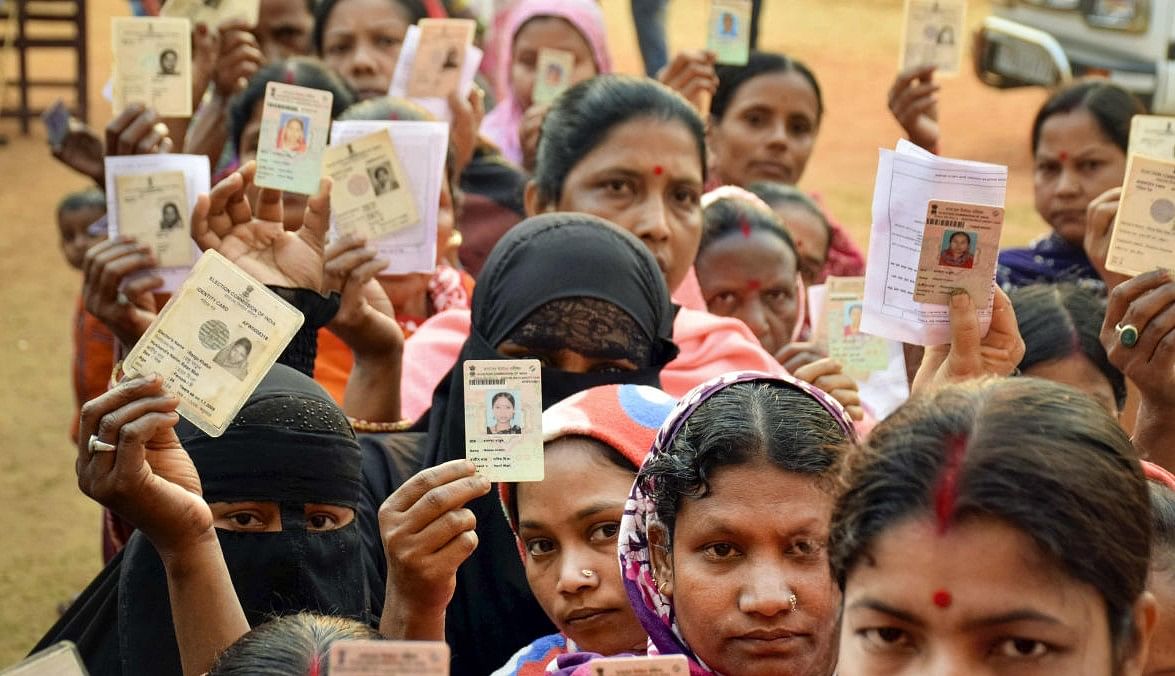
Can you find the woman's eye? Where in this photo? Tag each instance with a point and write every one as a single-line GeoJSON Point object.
{"type": "Point", "coordinates": [687, 197]}
{"type": "Point", "coordinates": [723, 302]}
{"type": "Point", "coordinates": [805, 548]}
{"type": "Point", "coordinates": [539, 547]}
{"type": "Point", "coordinates": [1022, 648]}
{"type": "Point", "coordinates": [246, 520]}
{"type": "Point", "coordinates": [387, 41]}
{"type": "Point", "coordinates": [720, 550]}
{"type": "Point", "coordinates": [801, 127]}
{"type": "Point", "coordinates": [755, 119]}
{"type": "Point", "coordinates": [604, 532]}
{"type": "Point", "coordinates": [1048, 168]}
{"type": "Point", "coordinates": [618, 186]}
{"type": "Point", "coordinates": [337, 49]}
{"type": "Point", "coordinates": [886, 638]}
{"type": "Point", "coordinates": [1089, 166]}
{"type": "Point", "coordinates": [321, 522]}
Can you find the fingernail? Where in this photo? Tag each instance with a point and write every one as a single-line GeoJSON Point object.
{"type": "Point", "coordinates": [959, 299]}
{"type": "Point", "coordinates": [133, 381]}
{"type": "Point", "coordinates": [485, 483]}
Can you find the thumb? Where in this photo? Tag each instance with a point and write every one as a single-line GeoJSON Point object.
{"type": "Point", "coordinates": [965, 357]}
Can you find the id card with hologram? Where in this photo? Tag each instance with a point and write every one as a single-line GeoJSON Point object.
{"type": "Point", "coordinates": [389, 658]}
{"type": "Point", "coordinates": [153, 64]}
{"type": "Point", "coordinates": [552, 74]}
{"type": "Point", "coordinates": [153, 208]}
{"type": "Point", "coordinates": [660, 665]}
{"type": "Point", "coordinates": [504, 418]}
{"type": "Point", "coordinates": [214, 341]}
{"type": "Point", "coordinates": [440, 56]}
{"type": "Point", "coordinates": [1144, 228]}
{"type": "Point", "coordinates": [960, 243]}
{"type": "Point", "coordinates": [840, 321]}
{"type": "Point", "coordinates": [295, 123]}
{"type": "Point", "coordinates": [370, 195]}
{"type": "Point", "coordinates": [932, 35]}
{"type": "Point", "coordinates": [729, 31]}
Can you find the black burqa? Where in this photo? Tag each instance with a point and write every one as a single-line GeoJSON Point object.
{"type": "Point", "coordinates": [290, 444]}
{"type": "Point", "coordinates": [557, 281]}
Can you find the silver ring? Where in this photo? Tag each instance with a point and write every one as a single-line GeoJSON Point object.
{"type": "Point", "coordinates": [588, 573]}
{"type": "Point", "coordinates": [96, 445]}
{"type": "Point", "coordinates": [1127, 334]}
{"type": "Point", "coordinates": [795, 602]}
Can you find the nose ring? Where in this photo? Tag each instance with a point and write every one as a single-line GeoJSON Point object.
{"type": "Point", "coordinates": [795, 602]}
{"type": "Point", "coordinates": [588, 573]}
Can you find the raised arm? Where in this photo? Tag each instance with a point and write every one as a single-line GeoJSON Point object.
{"type": "Point", "coordinates": [971, 354]}
{"type": "Point", "coordinates": [130, 460]}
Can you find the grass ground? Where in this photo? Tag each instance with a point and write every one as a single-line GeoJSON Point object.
{"type": "Point", "coordinates": [50, 548]}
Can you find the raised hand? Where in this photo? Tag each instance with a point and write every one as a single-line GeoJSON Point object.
{"type": "Point", "coordinates": [691, 73]}
{"type": "Point", "coordinates": [238, 57]}
{"type": "Point", "coordinates": [529, 132]}
{"type": "Point", "coordinates": [467, 114]}
{"type": "Point", "coordinates": [137, 131]}
{"type": "Point", "coordinates": [428, 534]}
{"type": "Point", "coordinates": [1099, 227]}
{"type": "Point", "coordinates": [115, 290]}
{"type": "Point", "coordinates": [253, 237]}
{"type": "Point", "coordinates": [913, 100]}
{"type": "Point", "coordinates": [970, 354]}
{"type": "Point", "coordinates": [366, 320]}
{"type": "Point", "coordinates": [148, 478]}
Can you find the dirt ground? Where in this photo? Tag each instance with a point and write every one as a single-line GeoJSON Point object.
{"type": "Point", "coordinates": [50, 549]}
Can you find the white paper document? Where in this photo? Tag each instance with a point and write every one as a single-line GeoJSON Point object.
{"type": "Point", "coordinates": [422, 147]}
{"type": "Point", "coordinates": [908, 178]}
{"type": "Point", "coordinates": [197, 179]}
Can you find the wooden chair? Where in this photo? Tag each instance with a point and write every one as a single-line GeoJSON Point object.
{"type": "Point", "coordinates": [28, 24]}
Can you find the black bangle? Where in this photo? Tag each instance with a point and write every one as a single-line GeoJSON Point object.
{"type": "Point", "coordinates": [318, 310]}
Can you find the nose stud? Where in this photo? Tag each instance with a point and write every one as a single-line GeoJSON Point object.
{"type": "Point", "coordinates": [588, 573]}
{"type": "Point", "coordinates": [795, 602]}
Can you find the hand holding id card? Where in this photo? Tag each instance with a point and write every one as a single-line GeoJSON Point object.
{"type": "Point", "coordinates": [960, 244]}
{"type": "Point", "coordinates": [504, 418]}
{"type": "Point", "coordinates": [370, 195]}
{"type": "Point", "coordinates": [213, 12]}
{"type": "Point", "coordinates": [153, 64]}
{"type": "Point", "coordinates": [932, 35]}
{"type": "Point", "coordinates": [1144, 229]}
{"type": "Point", "coordinates": [152, 208]}
{"type": "Point", "coordinates": [295, 122]}
{"type": "Point", "coordinates": [389, 658]}
{"type": "Point", "coordinates": [729, 32]}
{"type": "Point", "coordinates": [661, 665]}
{"type": "Point", "coordinates": [214, 341]}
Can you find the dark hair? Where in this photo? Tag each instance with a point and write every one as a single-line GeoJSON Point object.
{"type": "Point", "coordinates": [583, 116]}
{"type": "Point", "coordinates": [742, 423]}
{"type": "Point", "coordinates": [294, 645]}
{"type": "Point", "coordinates": [503, 395]}
{"type": "Point", "coordinates": [730, 215]}
{"type": "Point", "coordinates": [245, 342]}
{"type": "Point", "coordinates": [1162, 526]}
{"type": "Point", "coordinates": [777, 195]}
{"type": "Point", "coordinates": [957, 233]}
{"type": "Point", "coordinates": [730, 78]}
{"type": "Point", "coordinates": [602, 449]}
{"type": "Point", "coordinates": [167, 51]}
{"type": "Point", "coordinates": [322, 11]}
{"type": "Point", "coordinates": [1035, 454]}
{"type": "Point", "coordinates": [1060, 320]}
{"type": "Point", "coordinates": [1110, 104]}
{"type": "Point", "coordinates": [90, 198]}
{"type": "Point", "coordinates": [298, 70]}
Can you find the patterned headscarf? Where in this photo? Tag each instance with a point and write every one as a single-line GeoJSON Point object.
{"type": "Point", "coordinates": [654, 609]}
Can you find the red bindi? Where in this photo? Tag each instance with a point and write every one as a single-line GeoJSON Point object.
{"type": "Point", "coordinates": [754, 285]}
{"type": "Point", "coordinates": [942, 598]}
{"type": "Point", "coordinates": [1064, 156]}
{"type": "Point", "coordinates": [658, 170]}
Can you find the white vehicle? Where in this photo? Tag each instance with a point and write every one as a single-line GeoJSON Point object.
{"type": "Point", "coordinates": [1049, 42]}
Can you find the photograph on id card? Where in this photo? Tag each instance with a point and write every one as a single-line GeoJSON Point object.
{"type": "Point", "coordinates": [59, 659]}
{"type": "Point", "coordinates": [859, 353]}
{"type": "Point", "coordinates": [1153, 136]}
{"type": "Point", "coordinates": [504, 418]}
{"type": "Point", "coordinates": [933, 34]}
{"type": "Point", "coordinates": [1143, 238]}
{"type": "Point", "coordinates": [153, 64]}
{"type": "Point", "coordinates": [152, 208]}
{"type": "Point", "coordinates": [389, 658]}
{"type": "Point", "coordinates": [661, 665]}
{"type": "Point", "coordinates": [960, 243]}
{"type": "Point", "coordinates": [295, 123]}
{"type": "Point", "coordinates": [370, 194]}
{"type": "Point", "coordinates": [552, 74]}
{"type": "Point", "coordinates": [440, 57]}
{"type": "Point", "coordinates": [729, 31]}
{"type": "Point", "coordinates": [214, 341]}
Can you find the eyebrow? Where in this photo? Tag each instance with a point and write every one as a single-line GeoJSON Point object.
{"type": "Point", "coordinates": [597, 507]}
{"type": "Point", "coordinates": [878, 606]}
{"type": "Point", "coordinates": [1010, 617]}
